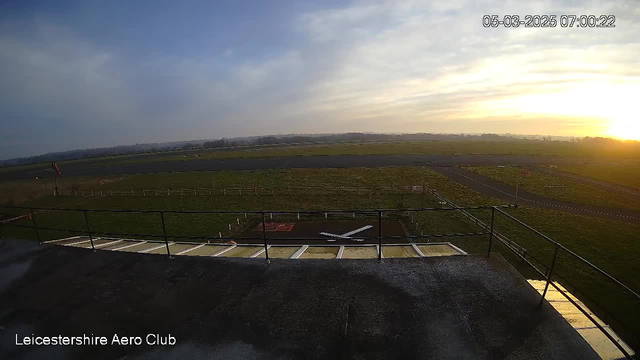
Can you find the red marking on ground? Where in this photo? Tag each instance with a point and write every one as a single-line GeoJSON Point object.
{"type": "Point", "coordinates": [274, 226]}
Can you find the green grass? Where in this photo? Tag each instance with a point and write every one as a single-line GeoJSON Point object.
{"type": "Point", "coordinates": [610, 245]}
{"type": "Point", "coordinates": [573, 192]}
{"type": "Point", "coordinates": [19, 191]}
{"type": "Point", "coordinates": [623, 174]}
{"type": "Point", "coordinates": [621, 151]}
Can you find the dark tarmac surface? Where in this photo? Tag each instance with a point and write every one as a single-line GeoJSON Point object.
{"type": "Point", "coordinates": [499, 190]}
{"type": "Point", "coordinates": [102, 167]}
{"type": "Point", "coordinates": [312, 229]}
{"type": "Point", "coordinates": [462, 307]}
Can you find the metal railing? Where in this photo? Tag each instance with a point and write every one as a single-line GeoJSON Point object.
{"type": "Point", "coordinates": [377, 214]}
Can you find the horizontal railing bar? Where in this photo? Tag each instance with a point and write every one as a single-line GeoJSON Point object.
{"type": "Point", "coordinates": [586, 313]}
{"type": "Point", "coordinates": [602, 272]}
{"type": "Point", "coordinates": [364, 211]}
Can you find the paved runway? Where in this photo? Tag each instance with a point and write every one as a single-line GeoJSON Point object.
{"type": "Point", "coordinates": [499, 190]}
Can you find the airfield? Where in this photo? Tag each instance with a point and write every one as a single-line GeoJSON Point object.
{"type": "Point", "coordinates": [324, 209]}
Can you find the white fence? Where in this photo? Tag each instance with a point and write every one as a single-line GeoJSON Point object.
{"type": "Point", "coordinates": [286, 190]}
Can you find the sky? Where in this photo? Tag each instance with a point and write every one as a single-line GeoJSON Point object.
{"type": "Point", "coordinates": [86, 74]}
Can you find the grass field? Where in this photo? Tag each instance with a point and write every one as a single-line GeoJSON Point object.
{"type": "Point", "coordinates": [627, 175]}
{"type": "Point", "coordinates": [628, 153]}
{"type": "Point", "coordinates": [19, 191]}
{"type": "Point", "coordinates": [573, 191]}
{"type": "Point", "coordinates": [610, 245]}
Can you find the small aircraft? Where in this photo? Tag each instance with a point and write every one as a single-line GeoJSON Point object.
{"type": "Point", "coordinates": [347, 235]}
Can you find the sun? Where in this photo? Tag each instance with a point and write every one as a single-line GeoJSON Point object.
{"type": "Point", "coordinates": [625, 129]}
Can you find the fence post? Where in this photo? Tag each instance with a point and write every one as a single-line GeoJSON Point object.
{"type": "Point", "coordinates": [493, 217]}
{"type": "Point", "coordinates": [553, 264]}
{"type": "Point", "coordinates": [86, 221]}
{"type": "Point", "coordinates": [379, 235]}
{"type": "Point", "coordinates": [264, 238]}
{"type": "Point", "coordinates": [164, 233]}
{"type": "Point", "coordinates": [33, 219]}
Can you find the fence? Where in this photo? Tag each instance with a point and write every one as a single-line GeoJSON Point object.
{"type": "Point", "coordinates": [255, 190]}
{"type": "Point", "coordinates": [549, 274]}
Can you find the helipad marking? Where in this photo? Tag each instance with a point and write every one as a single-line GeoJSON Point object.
{"type": "Point", "coordinates": [347, 235]}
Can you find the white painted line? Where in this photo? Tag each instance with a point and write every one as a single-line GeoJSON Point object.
{"type": "Point", "coordinates": [128, 246]}
{"type": "Point", "coordinates": [190, 249]}
{"type": "Point", "coordinates": [259, 252]}
{"type": "Point", "coordinates": [417, 250]}
{"type": "Point", "coordinates": [68, 238]}
{"type": "Point", "coordinates": [340, 252]}
{"type": "Point", "coordinates": [154, 248]}
{"type": "Point", "coordinates": [299, 252]}
{"type": "Point", "coordinates": [109, 243]}
{"type": "Point", "coordinates": [76, 243]}
{"type": "Point", "coordinates": [357, 230]}
{"type": "Point", "coordinates": [378, 251]}
{"type": "Point", "coordinates": [223, 251]}
{"type": "Point", "coordinates": [458, 249]}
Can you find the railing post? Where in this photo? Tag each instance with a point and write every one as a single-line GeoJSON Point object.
{"type": "Point", "coordinates": [86, 221]}
{"type": "Point", "coordinates": [553, 264]}
{"type": "Point", "coordinates": [164, 233]}
{"type": "Point", "coordinates": [33, 219]}
{"type": "Point", "coordinates": [264, 238]}
{"type": "Point", "coordinates": [493, 217]}
{"type": "Point", "coordinates": [379, 235]}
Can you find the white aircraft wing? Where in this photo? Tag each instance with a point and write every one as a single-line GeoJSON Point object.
{"type": "Point", "coordinates": [346, 235]}
{"type": "Point", "coordinates": [334, 235]}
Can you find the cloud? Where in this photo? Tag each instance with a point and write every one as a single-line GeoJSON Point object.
{"type": "Point", "coordinates": [421, 66]}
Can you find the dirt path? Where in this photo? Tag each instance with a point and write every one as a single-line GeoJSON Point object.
{"type": "Point", "coordinates": [498, 190]}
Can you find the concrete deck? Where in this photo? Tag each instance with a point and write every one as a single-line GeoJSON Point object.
{"type": "Point", "coordinates": [455, 307]}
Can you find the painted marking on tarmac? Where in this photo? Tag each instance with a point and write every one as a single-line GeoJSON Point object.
{"type": "Point", "coordinates": [190, 249]}
{"type": "Point", "coordinates": [260, 252]}
{"type": "Point", "coordinates": [109, 243]}
{"type": "Point", "coordinates": [128, 246]}
{"type": "Point", "coordinates": [154, 248]}
{"type": "Point", "coordinates": [417, 250]}
{"type": "Point", "coordinates": [76, 243]}
{"type": "Point", "coordinates": [340, 252]}
{"type": "Point", "coordinates": [68, 238]}
{"type": "Point", "coordinates": [299, 252]}
{"type": "Point", "coordinates": [224, 250]}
